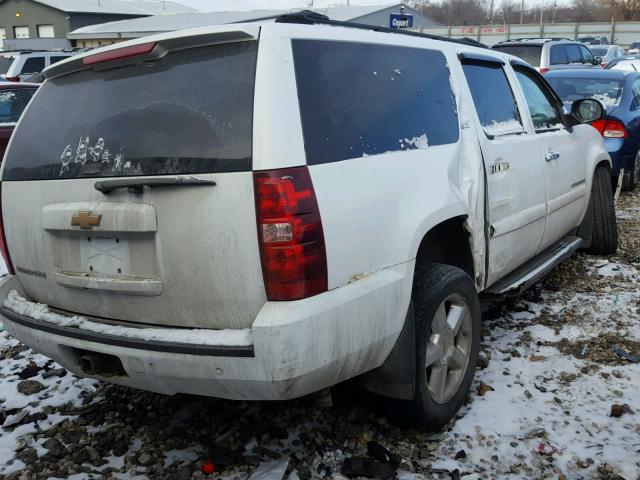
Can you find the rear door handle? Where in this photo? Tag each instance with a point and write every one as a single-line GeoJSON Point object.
{"type": "Point", "coordinates": [549, 156]}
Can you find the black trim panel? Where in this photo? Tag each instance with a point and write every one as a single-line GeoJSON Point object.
{"type": "Point", "coordinates": [149, 345]}
{"type": "Point", "coordinates": [479, 57]}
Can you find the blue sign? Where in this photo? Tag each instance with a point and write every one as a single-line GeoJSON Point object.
{"type": "Point", "coordinates": [398, 20]}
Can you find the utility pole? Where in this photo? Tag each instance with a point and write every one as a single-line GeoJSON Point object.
{"type": "Point", "coordinates": [490, 12]}
{"type": "Point", "coordinates": [521, 11]}
{"type": "Point", "coordinates": [555, 6]}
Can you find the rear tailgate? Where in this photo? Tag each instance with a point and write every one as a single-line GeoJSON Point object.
{"type": "Point", "coordinates": [128, 194]}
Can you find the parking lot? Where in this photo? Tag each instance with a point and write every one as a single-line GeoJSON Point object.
{"type": "Point", "coordinates": [541, 405]}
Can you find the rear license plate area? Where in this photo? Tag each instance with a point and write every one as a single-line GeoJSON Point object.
{"type": "Point", "coordinates": [107, 256]}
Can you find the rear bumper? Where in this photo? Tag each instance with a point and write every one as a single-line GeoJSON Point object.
{"type": "Point", "coordinates": [298, 347]}
{"type": "Point", "coordinates": [621, 157]}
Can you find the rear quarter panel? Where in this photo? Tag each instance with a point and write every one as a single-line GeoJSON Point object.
{"type": "Point", "coordinates": [376, 209]}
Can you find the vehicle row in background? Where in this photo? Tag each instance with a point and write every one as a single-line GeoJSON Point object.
{"type": "Point", "coordinates": [19, 66]}
{"type": "Point", "coordinates": [550, 53]}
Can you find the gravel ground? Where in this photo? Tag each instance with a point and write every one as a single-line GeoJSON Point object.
{"type": "Point", "coordinates": [554, 398]}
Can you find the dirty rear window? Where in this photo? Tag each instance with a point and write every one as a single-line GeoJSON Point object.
{"type": "Point", "coordinates": [361, 99]}
{"type": "Point", "coordinates": [190, 112]}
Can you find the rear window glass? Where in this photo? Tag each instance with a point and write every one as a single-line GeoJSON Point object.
{"type": "Point", "coordinates": [13, 103]}
{"type": "Point", "coordinates": [57, 59]}
{"type": "Point", "coordinates": [362, 99]}
{"type": "Point", "coordinates": [190, 112]}
{"type": "Point", "coordinates": [529, 53]}
{"type": "Point", "coordinates": [558, 55]}
{"type": "Point", "coordinates": [608, 91]}
{"type": "Point", "coordinates": [5, 64]}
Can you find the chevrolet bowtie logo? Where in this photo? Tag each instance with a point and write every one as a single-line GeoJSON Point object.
{"type": "Point", "coordinates": [85, 220]}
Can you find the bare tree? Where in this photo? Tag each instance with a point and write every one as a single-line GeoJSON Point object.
{"type": "Point", "coordinates": [456, 12]}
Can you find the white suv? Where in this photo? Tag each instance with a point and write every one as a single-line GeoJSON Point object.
{"type": "Point", "coordinates": [550, 53]}
{"type": "Point", "coordinates": [261, 211]}
{"type": "Point", "coordinates": [19, 66]}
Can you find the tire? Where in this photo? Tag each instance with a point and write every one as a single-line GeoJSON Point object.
{"type": "Point", "coordinates": [632, 178]}
{"type": "Point", "coordinates": [450, 291]}
{"type": "Point", "coordinates": [604, 231]}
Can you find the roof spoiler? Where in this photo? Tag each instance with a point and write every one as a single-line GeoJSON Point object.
{"type": "Point", "coordinates": [107, 58]}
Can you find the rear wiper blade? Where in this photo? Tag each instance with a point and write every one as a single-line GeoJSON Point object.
{"type": "Point", "coordinates": [136, 185]}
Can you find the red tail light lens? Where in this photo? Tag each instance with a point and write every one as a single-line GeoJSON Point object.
{"type": "Point", "coordinates": [3, 240]}
{"type": "Point", "coordinates": [12, 79]}
{"type": "Point", "coordinates": [119, 53]}
{"type": "Point", "coordinates": [543, 70]}
{"type": "Point", "coordinates": [610, 128]}
{"type": "Point", "coordinates": [292, 249]}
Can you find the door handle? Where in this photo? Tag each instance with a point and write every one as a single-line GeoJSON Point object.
{"type": "Point", "coordinates": [549, 156]}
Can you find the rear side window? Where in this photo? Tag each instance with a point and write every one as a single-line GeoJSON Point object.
{"type": "Point", "coordinates": [493, 98]}
{"type": "Point", "coordinates": [57, 58]}
{"type": "Point", "coordinates": [557, 55]}
{"type": "Point", "coordinates": [13, 103]}
{"type": "Point", "coordinates": [32, 65]}
{"type": "Point", "coordinates": [190, 112]}
{"type": "Point", "coordinates": [529, 53]}
{"type": "Point", "coordinates": [362, 99]}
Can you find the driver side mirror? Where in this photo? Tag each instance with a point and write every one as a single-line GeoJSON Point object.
{"type": "Point", "coordinates": [587, 110]}
{"type": "Point", "coordinates": [597, 61]}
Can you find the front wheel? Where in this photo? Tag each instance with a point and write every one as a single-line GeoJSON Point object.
{"type": "Point", "coordinates": [447, 319]}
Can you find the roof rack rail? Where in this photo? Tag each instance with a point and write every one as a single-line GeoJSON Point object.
{"type": "Point", "coordinates": [544, 39]}
{"type": "Point", "coordinates": [308, 17]}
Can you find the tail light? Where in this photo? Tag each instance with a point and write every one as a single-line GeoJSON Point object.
{"type": "Point", "coordinates": [3, 240]}
{"type": "Point", "coordinates": [543, 70]}
{"type": "Point", "coordinates": [603, 65]}
{"type": "Point", "coordinates": [610, 128]}
{"type": "Point", "coordinates": [12, 79]}
{"type": "Point", "coordinates": [292, 249]}
{"type": "Point", "coordinates": [119, 53]}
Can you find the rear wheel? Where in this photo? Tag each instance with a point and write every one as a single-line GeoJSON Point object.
{"type": "Point", "coordinates": [447, 319]}
{"type": "Point", "coordinates": [601, 216]}
{"type": "Point", "coordinates": [632, 178]}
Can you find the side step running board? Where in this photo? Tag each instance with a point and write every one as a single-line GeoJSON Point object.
{"type": "Point", "coordinates": [536, 268]}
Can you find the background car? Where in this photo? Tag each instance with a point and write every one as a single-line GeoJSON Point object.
{"type": "Point", "coordinates": [619, 92]}
{"type": "Point", "coordinates": [594, 40]}
{"type": "Point", "coordinates": [14, 97]}
{"type": "Point", "coordinates": [607, 53]}
{"type": "Point", "coordinates": [18, 66]}
{"type": "Point", "coordinates": [634, 48]}
{"type": "Point", "coordinates": [630, 63]}
{"type": "Point", "coordinates": [549, 53]}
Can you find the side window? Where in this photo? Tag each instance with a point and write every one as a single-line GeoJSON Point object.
{"type": "Point", "coordinates": [636, 90]}
{"type": "Point", "coordinates": [544, 113]}
{"type": "Point", "coordinates": [56, 59]}
{"type": "Point", "coordinates": [573, 53]}
{"type": "Point", "coordinates": [587, 56]}
{"type": "Point", "coordinates": [496, 106]}
{"type": "Point", "coordinates": [360, 99]}
{"type": "Point", "coordinates": [33, 65]}
{"type": "Point", "coordinates": [557, 55]}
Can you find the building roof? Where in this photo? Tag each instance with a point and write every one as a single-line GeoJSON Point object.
{"type": "Point", "coordinates": [148, 25]}
{"type": "Point", "coordinates": [122, 7]}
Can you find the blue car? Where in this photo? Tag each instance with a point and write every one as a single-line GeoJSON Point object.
{"type": "Point", "coordinates": [619, 92]}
